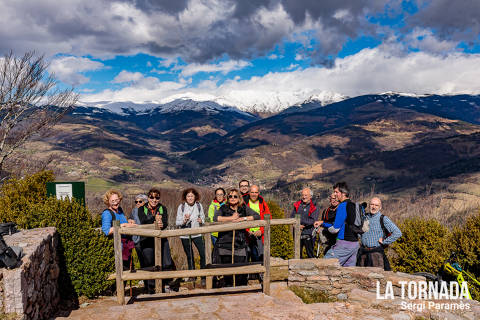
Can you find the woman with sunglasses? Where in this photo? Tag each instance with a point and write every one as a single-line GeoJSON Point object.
{"type": "Point", "coordinates": [217, 202]}
{"type": "Point", "coordinates": [150, 212]}
{"type": "Point", "coordinates": [234, 210]}
{"type": "Point", "coordinates": [112, 199]}
{"type": "Point", "coordinates": [140, 200]}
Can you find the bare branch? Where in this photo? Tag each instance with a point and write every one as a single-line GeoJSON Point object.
{"type": "Point", "coordinates": [30, 100]}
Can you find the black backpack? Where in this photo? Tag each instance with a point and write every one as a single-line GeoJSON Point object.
{"type": "Point", "coordinates": [386, 233]}
{"type": "Point", "coordinates": [8, 228]}
{"type": "Point", "coordinates": [8, 257]}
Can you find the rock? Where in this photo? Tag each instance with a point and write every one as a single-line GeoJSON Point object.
{"type": "Point", "coordinates": [401, 316]}
{"type": "Point", "coordinates": [30, 290]}
{"type": "Point", "coordinates": [342, 296]}
{"type": "Point", "coordinates": [374, 275]}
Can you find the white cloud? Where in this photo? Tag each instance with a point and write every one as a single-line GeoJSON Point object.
{"type": "Point", "coordinates": [68, 69]}
{"type": "Point", "coordinates": [298, 57]}
{"type": "Point", "coordinates": [425, 40]}
{"type": "Point", "coordinates": [292, 66]}
{"type": "Point", "coordinates": [158, 71]}
{"type": "Point", "coordinates": [126, 76]}
{"type": "Point", "coordinates": [224, 67]}
{"type": "Point", "coordinates": [369, 71]}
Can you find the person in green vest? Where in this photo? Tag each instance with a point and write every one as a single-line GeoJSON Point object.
{"type": "Point", "coordinates": [214, 206]}
{"type": "Point", "coordinates": [255, 235]}
{"type": "Point", "coordinates": [150, 212]}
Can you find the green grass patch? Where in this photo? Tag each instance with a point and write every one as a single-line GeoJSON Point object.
{"type": "Point", "coordinates": [309, 295]}
{"type": "Point", "coordinates": [98, 184]}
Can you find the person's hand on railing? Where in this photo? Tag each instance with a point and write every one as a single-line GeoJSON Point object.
{"type": "Point", "coordinates": [235, 217]}
{"type": "Point", "coordinates": [158, 219]}
{"type": "Point", "coordinates": [128, 224]}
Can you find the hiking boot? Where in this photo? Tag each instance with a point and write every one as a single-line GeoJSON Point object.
{"type": "Point", "coordinates": [174, 285]}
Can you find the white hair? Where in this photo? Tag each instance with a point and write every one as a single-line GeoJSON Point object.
{"type": "Point", "coordinates": [310, 190]}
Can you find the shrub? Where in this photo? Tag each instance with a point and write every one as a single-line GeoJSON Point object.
{"type": "Point", "coordinates": [467, 246]}
{"type": "Point", "coordinates": [281, 238]}
{"type": "Point", "coordinates": [423, 247]}
{"type": "Point", "coordinates": [86, 255]}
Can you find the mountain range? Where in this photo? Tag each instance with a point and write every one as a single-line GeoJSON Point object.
{"type": "Point", "coordinates": [391, 142]}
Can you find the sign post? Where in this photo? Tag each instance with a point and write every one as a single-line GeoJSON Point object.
{"type": "Point", "coordinates": [71, 190]}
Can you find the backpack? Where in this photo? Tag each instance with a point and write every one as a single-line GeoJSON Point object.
{"type": "Point", "coordinates": [8, 228]}
{"type": "Point", "coordinates": [386, 233]}
{"type": "Point", "coordinates": [183, 207]}
{"type": "Point", "coordinates": [361, 223]}
{"type": "Point", "coordinates": [8, 257]}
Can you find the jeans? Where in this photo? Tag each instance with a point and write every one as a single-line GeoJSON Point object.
{"type": "Point", "coordinates": [214, 240]}
{"type": "Point", "coordinates": [187, 246]}
{"type": "Point", "coordinates": [255, 253]}
{"type": "Point", "coordinates": [345, 252]}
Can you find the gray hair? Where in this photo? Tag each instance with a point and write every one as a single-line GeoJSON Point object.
{"type": "Point", "coordinates": [141, 196]}
{"type": "Point", "coordinates": [310, 190]}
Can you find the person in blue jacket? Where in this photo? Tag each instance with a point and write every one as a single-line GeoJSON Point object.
{"type": "Point", "coordinates": [112, 199]}
{"type": "Point", "coordinates": [346, 247]}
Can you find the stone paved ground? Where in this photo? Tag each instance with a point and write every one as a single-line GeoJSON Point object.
{"type": "Point", "coordinates": [282, 304]}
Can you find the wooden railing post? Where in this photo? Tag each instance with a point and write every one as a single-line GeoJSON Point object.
{"type": "Point", "coordinates": [208, 258]}
{"type": "Point", "coordinates": [296, 239]}
{"type": "Point", "coordinates": [117, 247]}
{"type": "Point", "coordinates": [266, 255]}
{"type": "Point", "coordinates": [158, 258]}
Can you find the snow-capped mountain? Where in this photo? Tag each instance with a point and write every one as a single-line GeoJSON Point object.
{"type": "Point", "coordinates": [270, 102]}
{"type": "Point", "coordinates": [178, 105]}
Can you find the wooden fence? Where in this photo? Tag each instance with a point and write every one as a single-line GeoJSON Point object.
{"type": "Point", "coordinates": [153, 230]}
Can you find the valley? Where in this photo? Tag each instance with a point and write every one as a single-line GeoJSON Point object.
{"type": "Point", "coordinates": [395, 145]}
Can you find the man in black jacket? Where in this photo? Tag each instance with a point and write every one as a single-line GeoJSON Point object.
{"type": "Point", "coordinates": [308, 215]}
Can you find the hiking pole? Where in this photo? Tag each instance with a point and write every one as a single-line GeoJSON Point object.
{"type": "Point", "coordinates": [131, 265]}
{"type": "Point", "coordinates": [233, 253]}
{"type": "Point", "coordinates": [318, 241]}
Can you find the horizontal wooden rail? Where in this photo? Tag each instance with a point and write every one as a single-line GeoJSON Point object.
{"type": "Point", "coordinates": [276, 222]}
{"type": "Point", "coordinates": [189, 231]}
{"type": "Point", "coordinates": [151, 275]}
{"type": "Point", "coordinates": [151, 231]}
{"type": "Point", "coordinates": [141, 230]}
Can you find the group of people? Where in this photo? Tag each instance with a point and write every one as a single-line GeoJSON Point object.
{"type": "Point", "coordinates": [335, 227]}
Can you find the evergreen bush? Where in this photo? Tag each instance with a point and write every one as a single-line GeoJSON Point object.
{"type": "Point", "coordinates": [86, 255]}
{"type": "Point", "coordinates": [281, 239]}
{"type": "Point", "coordinates": [467, 247]}
{"type": "Point", "coordinates": [423, 247]}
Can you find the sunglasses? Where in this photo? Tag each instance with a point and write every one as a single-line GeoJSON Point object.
{"type": "Point", "coordinates": [230, 196]}
{"type": "Point", "coordinates": [138, 201]}
{"type": "Point", "coordinates": [152, 197]}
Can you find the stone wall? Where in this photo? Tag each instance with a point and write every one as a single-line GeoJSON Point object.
{"type": "Point", "coordinates": [31, 290]}
{"type": "Point", "coordinates": [328, 276]}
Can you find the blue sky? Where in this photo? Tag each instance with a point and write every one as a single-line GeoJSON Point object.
{"type": "Point", "coordinates": [267, 53]}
